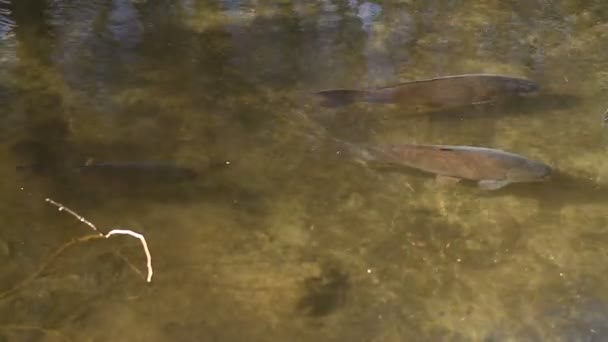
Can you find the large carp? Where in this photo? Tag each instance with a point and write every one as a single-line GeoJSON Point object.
{"type": "Point", "coordinates": [491, 168]}
{"type": "Point", "coordinates": [441, 93]}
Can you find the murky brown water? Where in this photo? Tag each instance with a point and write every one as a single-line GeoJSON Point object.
{"type": "Point", "coordinates": [279, 238]}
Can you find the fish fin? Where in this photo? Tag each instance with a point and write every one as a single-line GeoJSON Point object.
{"type": "Point", "coordinates": [341, 97]}
{"type": "Point", "coordinates": [479, 103]}
{"type": "Point", "coordinates": [441, 179]}
{"type": "Point", "coordinates": [489, 184]}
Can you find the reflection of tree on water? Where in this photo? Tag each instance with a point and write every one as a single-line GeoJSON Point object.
{"type": "Point", "coordinates": [61, 74]}
{"type": "Point", "coordinates": [6, 23]}
{"type": "Point", "coordinates": [43, 139]}
{"type": "Point", "coordinates": [40, 103]}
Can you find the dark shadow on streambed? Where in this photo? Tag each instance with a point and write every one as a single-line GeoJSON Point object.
{"type": "Point", "coordinates": [325, 293]}
{"type": "Point", "coordinates": [535, 105]}
{"type": "Point", "coordinates": [358, 124]}
{"type": "Point", "coordinates": [561, 189]}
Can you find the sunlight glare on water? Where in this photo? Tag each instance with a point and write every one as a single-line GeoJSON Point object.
{"type": "Point", "coordinates": [194, 123]}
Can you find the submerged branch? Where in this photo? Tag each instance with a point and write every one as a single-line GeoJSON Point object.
{"type": "Point", "coordinates": [73, 242]}
{"type": "Point", "coordinates": [129, 232]}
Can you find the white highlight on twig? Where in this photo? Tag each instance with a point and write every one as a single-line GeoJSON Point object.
{"type": "Point", "coordinates": [144, 244]}
{"type": "Point", "coordinates": [129, 232]}
{"type": "Point", "coordinates": [62, 207]}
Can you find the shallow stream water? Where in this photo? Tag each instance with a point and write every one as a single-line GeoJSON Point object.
{"type": "Point", "coordinates": [280, 237]}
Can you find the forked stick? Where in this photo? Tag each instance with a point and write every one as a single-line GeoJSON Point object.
{"type": "Point", "coordinates": [129, 232]}
{"type": "Point", "coordinates": [97, 235]}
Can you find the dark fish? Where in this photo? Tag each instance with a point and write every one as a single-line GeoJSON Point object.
{"type": "Point", "coordinates": [133, 171]}
{"type": "Point", "coordinates": [139, 171]}
{"type": "Point", "coordinates": [437, 93]}
{"type": "Point", "coordinates": [491, 168]}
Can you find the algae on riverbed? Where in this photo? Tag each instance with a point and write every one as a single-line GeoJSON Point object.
{"type": "Point", "coordinates": [291, 240]}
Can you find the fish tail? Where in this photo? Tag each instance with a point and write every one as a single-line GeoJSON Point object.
{"type": "Point", "coordinates": [342, 97]}
{"type": "Point", "coordinates": [359, 153]}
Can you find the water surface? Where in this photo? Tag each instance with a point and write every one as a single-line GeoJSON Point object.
{"type": "Point", "coordinates": [280, 238]}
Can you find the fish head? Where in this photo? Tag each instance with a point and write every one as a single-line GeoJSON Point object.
{"type": "Point", "coordinates": [529, 171]}
{"type": "Point", "coordinates": [522, 86]}
{"type": "Point", "coordinates": [338, 97]}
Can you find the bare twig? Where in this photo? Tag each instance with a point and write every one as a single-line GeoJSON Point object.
{"type": "Point", "coordinates": [64, 247]}
{"type": "Point", "coordinates": [139, 236]}
{"type": "Point", "coordinates": [142, 239]}
{"type": "Point", "coordinates": [61, 207]}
